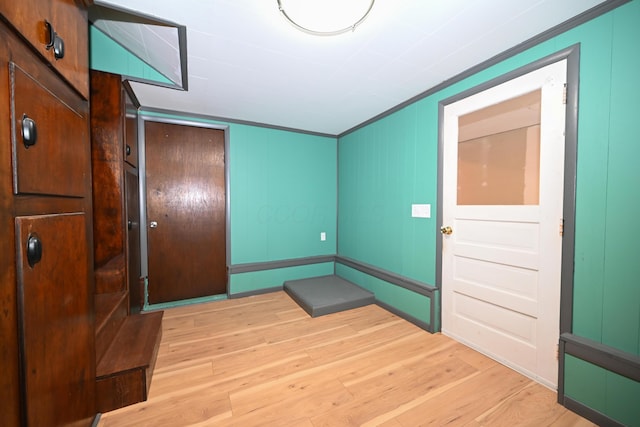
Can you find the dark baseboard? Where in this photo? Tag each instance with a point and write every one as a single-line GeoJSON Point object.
{"type": "Point", "coordinates": [255, 292]}
{"type": "Point", "coordinates": [419, 323]}
{"type": "Point", "coordinates": [272, 265]}
{"type": "Point", "coordinates": [590, 414]}
{"type": "Point", "coordinates": [388, 276]}
{"type": "Point", "coordinates": [604, 356]}
{"type": "Point", "coordinates": [404, 282]}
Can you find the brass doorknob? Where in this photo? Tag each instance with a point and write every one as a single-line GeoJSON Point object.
{"type": "Point", "coordinates": [446, 230]}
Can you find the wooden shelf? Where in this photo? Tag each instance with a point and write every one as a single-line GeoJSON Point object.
{"type": "Point", "coordinates": [124, 372]}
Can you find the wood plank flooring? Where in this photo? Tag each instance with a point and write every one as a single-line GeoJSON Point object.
{"type": "Point", "coordinates": [262, 361]}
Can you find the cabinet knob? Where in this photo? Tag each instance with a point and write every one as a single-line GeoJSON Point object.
{"type": "Point", "coordinates": [34, 249]}
{"type": "Point", "coordinates": [128, 150]}
{"type": "Point", "coordinates": [55, 41]}
{"type": "Point", "coordinates": [29, 131]}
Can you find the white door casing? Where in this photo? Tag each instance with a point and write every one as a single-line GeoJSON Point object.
{"type": "Point", "coordinates": [501, 264]}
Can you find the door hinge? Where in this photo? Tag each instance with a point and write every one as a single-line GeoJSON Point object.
{"type": "Point", "coordinates": [561, 227]}
{"type": "Point", "coordinates": [564, 94]}
{"type": "Point", "coordinates": [557, 351]}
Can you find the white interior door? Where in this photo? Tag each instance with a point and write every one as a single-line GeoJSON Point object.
{"type": "Point", "coordinates": [503, 164]}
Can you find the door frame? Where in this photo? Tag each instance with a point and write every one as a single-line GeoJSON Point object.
{"type": "Point", "coordinates": [176, 118]}
{"type": "Point", "coordinates": [572, 55]}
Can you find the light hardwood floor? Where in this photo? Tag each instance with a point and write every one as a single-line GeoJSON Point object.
{"type": "Point", "coordinates": [262, 361]}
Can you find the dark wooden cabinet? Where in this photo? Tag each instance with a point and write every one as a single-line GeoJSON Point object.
{"type": "Point", "coordinates": [114, 118]}
{"type": "Point", "coordinates": [107, 151]}
{"type": "Point", "coordinates": [132, 200]}
{"type": "Point", "coordinates": [47, 347]}
{"type": "Point", "coordinates": [126, 339]}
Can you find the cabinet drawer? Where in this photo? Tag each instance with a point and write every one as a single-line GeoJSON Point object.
{"type": "Point", "coordinates": [37, 19]}
{"type": "Point", "coordinates": [50, 136]}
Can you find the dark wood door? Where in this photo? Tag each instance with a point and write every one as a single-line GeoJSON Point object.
{"type": "Point", "coordinates": [186, 211]}
{"type": "Point", "coordinates": [57, 351]}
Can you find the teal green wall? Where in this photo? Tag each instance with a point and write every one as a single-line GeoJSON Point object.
{"type": "Point", "coordinates": [107, 55]}
{"type": "Point", "coordinates": [283, 194]}
{"type": "Point", "coordinates": [607, 271]}
{"type": "Point", "coordinates": [603, 391]}
{"type": "Point", "coordinates": [383, 169]}
{"type": "Point", "coordinates": [391, 163]}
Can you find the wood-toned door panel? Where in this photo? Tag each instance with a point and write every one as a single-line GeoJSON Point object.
{"type": "Point", "coordinates": [136, 294]}
{"type": "Point", "coordinates": [186, 211]}
{"type": "Point", "coordinates": [130, 129]}
{"type": "Point", "coordinates": [57, 353]}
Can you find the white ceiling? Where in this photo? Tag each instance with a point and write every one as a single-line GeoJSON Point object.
{"type": "Point", "coordinates": [246, 62]}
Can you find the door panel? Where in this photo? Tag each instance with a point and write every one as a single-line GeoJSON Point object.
{"type": "Point", "coordinates": [186, 211]}
{"type": "Point", "coordinates": [503, 155]}
{"type": "Point", "coordinates": [136, 292]}
{"type": "Point", "coordinates": [57, 331]}
{"type": "Point", "coordinates": [503, 285]}
{"type": "Point", "coordinates": [505, 321]}
{"type": "Point", "coordinates": [497, 241]}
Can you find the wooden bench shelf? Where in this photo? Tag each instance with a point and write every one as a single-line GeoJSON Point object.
{"type": "Point", "coordinates": [125, 370]}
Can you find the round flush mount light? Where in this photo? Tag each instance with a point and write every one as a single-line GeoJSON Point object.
{"type": "Point", "coordinates": [325, 17]}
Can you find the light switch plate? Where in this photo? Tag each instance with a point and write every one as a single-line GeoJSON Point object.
{"type": "Point", "coordinates": [323, 236]}
{"type": "Point", "coordinates": [421, 211]}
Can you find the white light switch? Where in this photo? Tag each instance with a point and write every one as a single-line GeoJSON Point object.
{"type": "Point", "coordinates": [323, 236]}
{"type": "Point", "coordinates": [421, 211]}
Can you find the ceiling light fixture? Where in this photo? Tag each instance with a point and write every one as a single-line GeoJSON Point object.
{"type": "Point", "coordinates": [325, 17]}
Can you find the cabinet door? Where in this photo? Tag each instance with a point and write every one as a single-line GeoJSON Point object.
{"type": "Point", "coordinates": [130, 130]}
{"type": "Point", "coordinates": [57, 333]}
{"type": "Point", "coordinates": [136, 291]}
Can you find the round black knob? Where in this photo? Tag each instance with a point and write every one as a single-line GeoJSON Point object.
{"type": "Point", "coordinates": [34, 249]}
